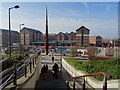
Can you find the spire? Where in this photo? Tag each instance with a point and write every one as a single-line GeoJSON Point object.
{"type": "Point", "coordinates": [46, 36]}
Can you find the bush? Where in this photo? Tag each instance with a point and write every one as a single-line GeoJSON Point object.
{"type": "Point", "coordinates": [109, 66]}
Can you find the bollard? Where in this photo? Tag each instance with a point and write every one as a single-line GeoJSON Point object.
{"type": "Point", "coordinates": [25, 70]}
{"type": "Point", "coordinates": [30, 66]}
{"type": "Point", "coordinates": [105, 83]}
{"type": "Point", "coordinates": [83, 84]}
{"type": "Point", "coordinates": [33, 62]}
{"type": "Point", "coordinates": [15, 74]}
{"type": "Point", "coordinates": [74, 84]}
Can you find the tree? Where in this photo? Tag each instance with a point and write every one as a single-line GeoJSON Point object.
{"type": "Point", "coordinates": [109, 52]}
{"type": "Point", "coordinates": [73, 50]}
{"type": "Point", "coordinates": [92, 51]}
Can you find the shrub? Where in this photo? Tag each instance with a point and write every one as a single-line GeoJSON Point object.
{"type": "Point", "coordinates": [109, 66]}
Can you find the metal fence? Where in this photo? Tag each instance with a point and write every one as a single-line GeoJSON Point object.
{"type": "Point", "coordinates": [18, 70]}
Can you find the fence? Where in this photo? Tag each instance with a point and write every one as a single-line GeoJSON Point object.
{"type": "Point", "coordinates": [18, 70]}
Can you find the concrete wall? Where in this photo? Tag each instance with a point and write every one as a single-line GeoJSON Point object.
{"type": "Point", "coordinates": [91, 81]}
{"type": "Point", "coordinates": [32, 81]}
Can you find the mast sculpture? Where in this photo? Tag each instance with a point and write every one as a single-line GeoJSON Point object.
{"type": "Point", "coordinates": [46, 36]}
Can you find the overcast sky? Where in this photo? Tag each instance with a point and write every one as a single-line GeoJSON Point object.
{"type": "Point", "coordinates": [100, 17]}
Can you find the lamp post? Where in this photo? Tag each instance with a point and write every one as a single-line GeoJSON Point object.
{"type": "Point", "coordinates": [20, 34]}
{"type": "Point", "coordinates": [20, 26]}
{"type": "Point", "coordinates": [15, 67]}
{"type": "Point", "coordinates": [61, 57]}
{"type": "Point", "coordinates": [10, 29]}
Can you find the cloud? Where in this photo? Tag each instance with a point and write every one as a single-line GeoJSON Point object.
{"type": "Point", "coordinates": [64, 21]}
{"type": "Point", "coordinates": [105, 28]}
{"type": "Point", "coordinates": [86, 6]}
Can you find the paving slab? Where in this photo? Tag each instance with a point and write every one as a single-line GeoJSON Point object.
{"type": "Point", "coordinates": [50, 83]}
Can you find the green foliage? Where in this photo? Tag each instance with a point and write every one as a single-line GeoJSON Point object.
{"type": "Point", "coordinates": [109, 66]}
{"type": "Point", "coordinates": [18, 55]}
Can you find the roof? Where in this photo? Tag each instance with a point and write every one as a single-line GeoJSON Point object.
{"type": "Point", "coordinates": [8, 30]}
{"type": "Point", "coordinates": [30, 29]}
{"type": "Point", "coordinates": [82, 27]}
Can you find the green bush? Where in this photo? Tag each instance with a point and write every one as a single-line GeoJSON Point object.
{"type": "Point", "coordinates": [109, 66]}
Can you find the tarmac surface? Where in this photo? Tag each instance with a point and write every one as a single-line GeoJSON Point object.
{"type": "Point", "coordinates": [50, 83]}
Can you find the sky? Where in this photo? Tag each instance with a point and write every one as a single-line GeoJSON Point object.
{"type": "Point", "coordinates": [100, 17]}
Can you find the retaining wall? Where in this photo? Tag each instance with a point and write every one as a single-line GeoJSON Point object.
{"type": "Point", "coordinates": [91, 81]}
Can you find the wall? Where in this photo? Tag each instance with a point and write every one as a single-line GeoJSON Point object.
{"type": "Point", "coordinates": [91, 81]}
{"type": "Point", "coordinates": [32, 82]}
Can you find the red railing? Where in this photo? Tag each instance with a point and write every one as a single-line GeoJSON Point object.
{"type": "Point", "coordinates": [88, 75]}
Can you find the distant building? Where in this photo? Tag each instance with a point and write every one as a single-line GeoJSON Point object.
{"type": "Point", "coordinates": [78, 38]}
{"type": "Point", "coordinates": [72, 38]}
{"type": "Point", "coordinates": [95, 40]}
{"type": "Point", "coordinates": [82, 36]}
{"type": "Point", "coordinates": [4, 37]}
{"type": "Point", "coordinates": [60, 36]}
{"type": "Point", "coordinates": [29, 36]}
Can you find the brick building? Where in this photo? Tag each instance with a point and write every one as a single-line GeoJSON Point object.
{"type": "Point", "coordinates": [29, 36]}
{"type": "Point", "coordinates": [82, 36]}
{"type": "Point", "coordinates": [4, 37]}
{"type": "Point", "coordinates": [95, 40]}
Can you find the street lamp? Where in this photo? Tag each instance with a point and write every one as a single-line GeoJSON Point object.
{"type": "Point", "coordinates": [15, 67]}
{"type": "Point", "coordinates": [61, 56]}
{"type": "Point", "coordinates": [20, 34]}
{"type": "Point", "coordinates": [20, 26]}
{"type": "Point", "coordinates": [10, 29]}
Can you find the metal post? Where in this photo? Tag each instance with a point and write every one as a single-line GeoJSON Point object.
{"type": "Point", "coordinates": [33, 62]}
{"type": "Point", "coordinates": [74, 84]}
{"type": "Point", "coordinates": [61, 59]}
{"type": "Point", "coordinates": [10, 29]}
{"type": "Point", "coordinates": [30, 66]}
{"type": "Point", "coordinates": [83, 84]}
{"type": "Point", "coordinates": [9, 35]}
{"type": "Point", "coordinates": [105, 83]}
{"type": "Point", "coordinates": [25, 70]}
{"type": "Point", "coordinates": [67, 82]}
{"type": "Point", "coordinates": [20, 35]}
{"type": "Point", "coordinates": [15, 74]}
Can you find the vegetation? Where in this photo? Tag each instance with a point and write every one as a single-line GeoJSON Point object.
{"type": "Point", "coordinates": [109, 66]}
{"type": "Point", "coordinates": [15, 56]}
{"type": "Point", "coordinates": [73, 50]}
{"type": "Point", "coordinates": [92, 51]}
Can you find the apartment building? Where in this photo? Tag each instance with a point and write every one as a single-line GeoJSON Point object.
{"type": "Point", "coordinates": [72, 38]}
{"type": "Point", "coordinates": [60, 36]}
{"type": "Point", "coordinates": [82, 36]}
{"type": "Point", "coordinates": [29, 36]}
{"type": "Point", "coordinates": [4, 37]}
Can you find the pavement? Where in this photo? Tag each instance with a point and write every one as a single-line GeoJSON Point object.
{"type": "Point", "coordinates": [50, 83]}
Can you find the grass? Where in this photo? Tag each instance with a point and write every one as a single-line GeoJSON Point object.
{"type": "Point", "coordinates": [109, 66]}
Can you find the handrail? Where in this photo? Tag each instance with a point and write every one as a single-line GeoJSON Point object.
{"type": "Point", "coordinates": [94, 74]}
{"type": "Point", "coordinates": [5, 83]}
{"type": "Point", "coordinates": [24, 63]}
{"type": "Point", "coordinates": [88, 75]}
{"type": "Point", "coordinates": [3, 60]}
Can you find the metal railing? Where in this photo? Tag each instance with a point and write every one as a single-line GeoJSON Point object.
{"type": "Point", "coordinates": [19, 70]}
{"type": "Point", "coordinates": [83, 80]}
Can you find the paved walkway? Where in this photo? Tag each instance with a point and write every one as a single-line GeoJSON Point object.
{"type": "Point", "coordinates": [50, 83]}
